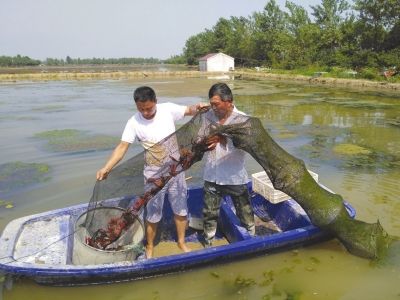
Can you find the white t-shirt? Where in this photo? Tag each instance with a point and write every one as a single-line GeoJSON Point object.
{"type": "Point", "coordinates": [149, 132]}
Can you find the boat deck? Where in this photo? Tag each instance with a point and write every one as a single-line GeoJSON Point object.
{"type": "Point", "coordinates": [42, 241]}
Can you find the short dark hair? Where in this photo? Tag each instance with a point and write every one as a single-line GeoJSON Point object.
{"type": "Point", "coordinates": [222, 90]}
{"type": "Point", "coordinates": [143, 94]}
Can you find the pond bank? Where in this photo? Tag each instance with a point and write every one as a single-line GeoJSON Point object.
{"type": "Point", "coordinates": [83, 75]}
{"type": "Point", "coordinates": [106, 74]}
{"type": "Point", "coordinates": [343, 82]}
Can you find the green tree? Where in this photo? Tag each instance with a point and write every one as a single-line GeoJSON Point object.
{"type": "Point", "coordinates": [303, 36]}
{"type": "Point", "coordinates": [176, 59]}
{"type": "Point", "coordinates": [222, 33]}
{"type": "Point", "coordinates": [232, 37]}
{"type": "Point", "coordinates": [377, 23]}
{"type": "Point", "coordinates": [68, 60]}
{"type": "Point", "coordinates": [330, 16]}
{"type": "Point", "coordinates": [239, 43]}
{"type": "Point", "coordinates": [270, 39]}
{"type": "Point", "coordinates": [6, 61]}
{"type": "Point", "coordinates": [197, 46]}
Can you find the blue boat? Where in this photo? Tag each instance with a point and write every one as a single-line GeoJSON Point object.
{"type": "Point", "coordinates": [41, 246]}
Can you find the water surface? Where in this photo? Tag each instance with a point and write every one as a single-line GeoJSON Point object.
{"type": "Point", "coordinates": [351, 138]}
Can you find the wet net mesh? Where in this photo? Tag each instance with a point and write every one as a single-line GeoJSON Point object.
{"type": "Point", "coordinates": [163, 161]}
{"type": "Point", "coordinates": [179, 151]}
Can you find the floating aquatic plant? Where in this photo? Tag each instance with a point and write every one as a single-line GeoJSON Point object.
{"type": "Point", "coordinates": [50, 108]}
{"type": "Point", "coordinates": [72, 140]}
{"type": "Point", "coordinates": [352, 156]}
{"type": "Point", "coordinates": [350, 149]}
{"type": "Point", "coordinates": [395, 163]}
{"type": "Point", "coordinates": [269, 278]}
{"type": "Point", "coordinates": [393, 122]}
{"type": "Point", "coordinates": [372, 160]}
{"type": "Point", "coordinates": [214, 274]}
{"type": "Point", "coordinates": [6, 204]}
{"type": "Point", "coordinates": [315, 260]}
{"type": "Point", "coordinates": [286, 135]}
{"type": "Point", "coordinates": [17, 174]}
{"type": "Point", "coordinates": [242, 282]}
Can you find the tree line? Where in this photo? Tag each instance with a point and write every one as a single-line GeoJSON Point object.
{"type": "Point", "coordinates": [357, 34]}
{"type": "Point", "coordinates": [364, 33]}
{"type": "Point", "coordinates": [101, 61]}
{"type": "Point", "coordinates": [19, 61]}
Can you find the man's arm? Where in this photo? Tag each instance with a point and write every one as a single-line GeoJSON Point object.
{"type": "Point", "coordinates": [193, 109]}
{"type": "Point", "coordinates": [116, 156]}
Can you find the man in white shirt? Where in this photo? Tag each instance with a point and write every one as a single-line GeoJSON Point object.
{"type": "Point", "coordinates": [224, 171]}
{"type": "Point", "coordinates": [149, 125]}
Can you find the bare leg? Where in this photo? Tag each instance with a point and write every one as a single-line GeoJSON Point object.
{"type": "Point", "coordinates": [180, 223]}
{"type": "Point", "coordinates": [151, 230]}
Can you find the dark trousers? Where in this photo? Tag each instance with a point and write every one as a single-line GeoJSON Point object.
{"type": "Point", "coordinates": [213, 194]}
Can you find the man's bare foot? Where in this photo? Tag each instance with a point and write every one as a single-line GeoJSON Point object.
{"type": "Point", "coordinates": [183, 247]}
{"type": "Point", "coordinates": [149, 251]}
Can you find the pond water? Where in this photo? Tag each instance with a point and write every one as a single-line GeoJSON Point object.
{"type": "Point", "coordinates": [351, 138]}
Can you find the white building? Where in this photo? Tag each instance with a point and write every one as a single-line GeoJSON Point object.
{"type": "Point", "coordinates": [216, 62]}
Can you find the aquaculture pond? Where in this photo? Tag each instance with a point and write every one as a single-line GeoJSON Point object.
{"type": "Point", "coordinates": [55, 135]}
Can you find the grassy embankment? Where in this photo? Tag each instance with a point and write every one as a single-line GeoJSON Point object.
{"type": "Point", "coordinates": [334, 76]}
{"type": "Point", "coordinates": [368, 78]}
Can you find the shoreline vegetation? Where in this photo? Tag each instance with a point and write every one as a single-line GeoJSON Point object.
{"type": "Point", "coordinates": [88, 73]}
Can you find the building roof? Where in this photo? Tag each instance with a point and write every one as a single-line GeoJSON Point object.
{"type": "Point", "coordinates": [205, 57]}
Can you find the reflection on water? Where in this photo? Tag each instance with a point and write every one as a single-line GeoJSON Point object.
{"type": "Point", "coordinates": [350, 138]}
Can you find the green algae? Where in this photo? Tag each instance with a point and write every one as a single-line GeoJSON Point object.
{"type": "Point", "coordinates": [318, 148]}
{"type": "Point", "coordinates": [56, 134]}
{"type": "Point", "coordinates": [269, 277]}
{"type": "Point", "coordinates": [6, 204]}
{"type": "Point", "coordinates": [393, 122]}
{"type": "Point", "coordinates": [215, 274]}
{"type": "Point", "coordinates": [372, 161]}
{"type": "Point", "coordinates": [50, 108]}
{"type": "Point", "coordinates": [367, 104]}
{"type": "Point", "coordinates": [286, 135]}
{"type": "Point", "coordinates": [72, 140]}
{"type": "Point", "coordinates": [27, 118]}
{"type": "Point", "coordinates": [315, 260]}
{"type": "Point", "coordinates": [17, 174]}
{"type": "Point", "coordinates": [242, 282]}
{"type": "Point", "coordinates": [395, 164]}
{"type": "Point", "coordinates": [350, 149]}
{"type": "Point", "coordinates": [348, 155]}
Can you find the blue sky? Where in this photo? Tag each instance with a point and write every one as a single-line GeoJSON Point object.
{"type": "Point", "coordinates": [118, 28]}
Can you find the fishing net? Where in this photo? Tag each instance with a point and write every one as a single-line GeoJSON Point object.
{"type": "Point", "coordinates": [128, 183]}
{"type": "Point", "coordinates": [180, 150]}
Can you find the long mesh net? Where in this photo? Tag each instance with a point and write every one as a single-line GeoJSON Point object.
{"type": "Point", "coordinates": [180, 150]}
{"type": "Point", "coordinates": [163, 161]}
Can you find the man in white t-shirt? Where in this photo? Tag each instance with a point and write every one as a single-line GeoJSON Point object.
{"type": "Point", "coordinates": [148, 126]}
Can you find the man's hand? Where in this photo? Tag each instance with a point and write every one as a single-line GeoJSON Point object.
{"type": "Point", "coordinates": [193, 109]}
{"type": "Point", "coordinates": [213, 140]}
{"type": "Point", "coordinates": [202, 105]}
{"type": "Point", "coordinates": [116, 156]}
{"type": "Point", "coordinates": [102, 174]}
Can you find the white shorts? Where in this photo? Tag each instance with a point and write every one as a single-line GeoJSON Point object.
{"type": "Point", "coordinates": [177, 196]}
